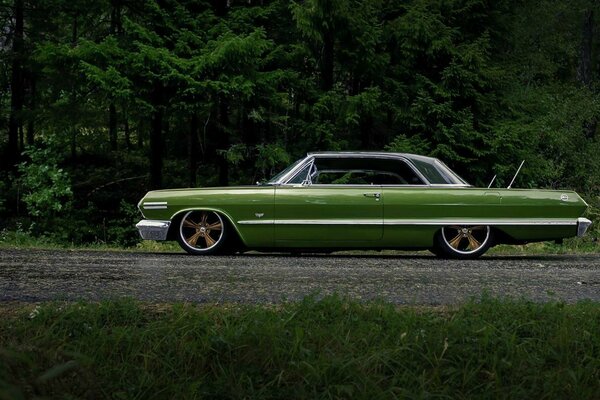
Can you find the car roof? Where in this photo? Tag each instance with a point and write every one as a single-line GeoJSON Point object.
{"type": "Point", "coordinates": [371, 153]}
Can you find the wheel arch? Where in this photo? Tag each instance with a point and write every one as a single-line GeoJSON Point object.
{"type": "Point", "coordinates": [176, 219]}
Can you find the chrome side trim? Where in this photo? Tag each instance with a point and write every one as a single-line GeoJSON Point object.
{"type": "Point", "coordinates": [474, 221]}
{"type": "Point", "coordinates": [582, 225]}
{"type": "Point", "coordinates": [312, 222]}
{"type": "Point", "coordinates": [155, 205]}
{"type": "Point", "coordinates": [257, 222]}
{"type": "Point", "coordinates": [431, 222]}
{"type": "Point", "coordinates": [153, 229]}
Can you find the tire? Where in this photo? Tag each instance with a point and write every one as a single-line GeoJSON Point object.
{"type": "Point", "coordinates": [202, 232]}
{"type": "Point", "coordinates": [463, 242]}
{"type": "Point", "coordinates": [436, 251]}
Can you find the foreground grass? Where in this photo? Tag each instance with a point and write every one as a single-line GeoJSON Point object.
{"type": "Point", "coordinates": [325, 348]}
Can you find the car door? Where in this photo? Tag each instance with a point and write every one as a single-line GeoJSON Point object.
{"type": "Point", "coordinates": [327, 215]}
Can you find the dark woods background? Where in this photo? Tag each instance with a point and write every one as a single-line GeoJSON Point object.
{"type": "Point", "coordinates": [102, 100]}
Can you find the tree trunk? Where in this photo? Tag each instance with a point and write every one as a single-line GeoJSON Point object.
{"type": "Point", "coordinates": [16, 98]}
{"type": "Point", "coordinates": [327, 61]}
{"type": "Point", "coordinates": [584, 69]}
{"type": "Point", "coordinates": [112, 125]}
{"type": "Point", "coordinates": [73, 143]}
{"type": "Point", "coordinates": [31, 120]}
{"type": "Point", "coordinates": [140, 134]}
{"type": "Point", "coordinates": [192, 150]}
{"type": "Point", "coordinates": [74, 36]}
{"type": "Point", "coordinates": [112, 110]}
{"type": "Point", "coordinates": [127, 131]}
{"type": "Point", "coordinates": [21, 137]}
{"type": "Point", "coordinates": [248, 128]}
{"type": "Point", "coordinates": [223, 143]}
{"type": "Point", "coordinates": [74, 30]}
{"type": "Point", "coordinates": [156, 140]}
{"type": "Point", "coordinates": [115, 17]}
{"type": "Point", "coordinates": [220, 7]}
{"type": "Point", "coordinates": [366, 132]}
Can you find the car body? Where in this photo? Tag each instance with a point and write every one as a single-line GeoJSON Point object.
{"type": "Point", "coordinates": [360, 200]}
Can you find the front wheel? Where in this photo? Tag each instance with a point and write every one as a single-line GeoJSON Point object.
{"type": "Point", "coordinates": [202, 232]}
{"type": "Point", "coordinates": [463, 241]}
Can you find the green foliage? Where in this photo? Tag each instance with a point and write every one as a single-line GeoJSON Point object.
{"type": "Point", "coordinates": [403, 144]}
{"type": "Point", "coordinates": [324, 348]}
{"type": "Point", "coordinates": [46, 187]}
{"type": "Point", "coordinates": [270, 158]}
{"type": "Point", "coordinates": [121, 231]}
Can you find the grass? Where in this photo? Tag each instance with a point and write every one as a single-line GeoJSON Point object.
{"type": "Point", "coordinates": [24, 240]}
{"type": "Point", "coordinates": [584, 245]}
{"type": "Point", "coordinates": [327, 348]}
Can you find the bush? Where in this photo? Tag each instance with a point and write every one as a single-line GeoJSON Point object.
{"type": "Point", "coordinates": [46, 187]}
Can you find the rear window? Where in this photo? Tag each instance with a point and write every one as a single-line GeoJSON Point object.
{"type": "Point", "coordinates": [437, 173]}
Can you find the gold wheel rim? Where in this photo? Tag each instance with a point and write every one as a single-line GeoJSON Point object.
{"type": "Point", "coordinates": [466, 239]}
{"type": "Point", "coordinates": [201, 230]}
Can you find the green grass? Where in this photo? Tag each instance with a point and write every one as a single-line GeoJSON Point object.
{"type": "Point", "coordinates": [24, 240]}
{"type": "Point", "coordinates": [583, 245]}
{"type": "Point", "coordinates": [327, 348]}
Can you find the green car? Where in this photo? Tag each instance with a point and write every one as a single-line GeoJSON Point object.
{"type": "Point", "coordinates": [360, 200]}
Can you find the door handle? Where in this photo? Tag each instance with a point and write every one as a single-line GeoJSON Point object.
{"type": "Point", "coordinates": [377, 196]}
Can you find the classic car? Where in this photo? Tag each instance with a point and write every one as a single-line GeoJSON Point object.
{"type": "Point", "coordinates": [330, 201]}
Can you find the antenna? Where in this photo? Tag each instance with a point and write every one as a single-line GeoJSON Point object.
{"type": "Point", "coordinates": [493, 179]}
{"type": "Point", "coordinates": [515, 177]}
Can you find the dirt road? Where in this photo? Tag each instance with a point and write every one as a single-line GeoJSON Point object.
{"type": "Point", "coordinates": [38, 275]}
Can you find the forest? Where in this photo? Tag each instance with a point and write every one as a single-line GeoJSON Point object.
{"type": "Point", "coordinates": [103, 100]}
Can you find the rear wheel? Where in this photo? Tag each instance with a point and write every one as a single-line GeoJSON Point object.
{"type": "Point", "coordinates": [202, 232]}
{"type": "Point", "coordinates": [463, 241]}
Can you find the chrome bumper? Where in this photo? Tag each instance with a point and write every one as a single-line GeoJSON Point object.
{"type": "Point", "coordinates": [582, 225]}
{"type": "Point", "coordinates": [153, 229]}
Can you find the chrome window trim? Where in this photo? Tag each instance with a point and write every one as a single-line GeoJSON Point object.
{"type": "Point", "coordinates": [283, 180]}
{"type": "Point", "coordinates": [433, 186]}
{"type": "Point", "coordinates": [312, 156]}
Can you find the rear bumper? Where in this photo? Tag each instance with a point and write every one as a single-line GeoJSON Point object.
{"type": "Point", "coordinates": [153, 229]}
{"type": "Point", "coordinates": [582, 226]}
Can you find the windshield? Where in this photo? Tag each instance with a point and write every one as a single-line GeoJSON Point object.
{"type": "Point", "coordinates": [277, 177]}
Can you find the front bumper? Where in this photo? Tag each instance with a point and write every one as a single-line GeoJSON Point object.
{"type": "Point", "coordinates": [151, 229]}
{"type": "Point", "coordinates": [582, 225]}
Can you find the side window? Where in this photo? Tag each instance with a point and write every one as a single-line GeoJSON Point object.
{"type": "Point", "coordinates": [408, 175]}
{"type": "Point", "coordinates": [362, 171]}
{"type": "Point", "coordinates": [342, 178]}
{"type": "Point", "coordinates": [359, 178]}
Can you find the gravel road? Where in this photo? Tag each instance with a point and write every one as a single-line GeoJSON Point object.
{"type": "Point", "coordinates": [38, 275]}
